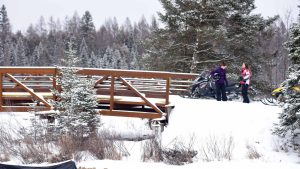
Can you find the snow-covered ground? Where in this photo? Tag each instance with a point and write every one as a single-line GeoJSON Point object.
{"type": "Point", "coordinates": [247, 126]}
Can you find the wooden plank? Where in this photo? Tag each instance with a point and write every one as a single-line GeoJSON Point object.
{"type": "Point", "coordinates": [142, 96]}
{"type": "Point", "coordinates": [150, 94]}
{"type": "Point", "coordinates": [22, 108]}
{"type": "Point", "coordinates": [90, 71]}
{"type": "Point", "coordinates": [168, 90]}
{"type": "Point", "coordinates": [112, 90]}
{"type": "Point", "coordinates": [54, 84]}
{"type": "Point", "coordinates": [131, 102]}
{"type": "Point", "coordinates": [1, 90]}
{"type": "Point", "coordinates": [101, 80]}
{"type": "Point", "coordinates": [36, 81]}
{"type": "Point", "coordinates": [149, 115]}
{"type": "Point", "coordinates": [28, 90]}
{"type": "Point", "coordinates": [31, 77]}
{"type": "Point", "coordinates": [28, 70]}
{"type": "Point", "coordinates": [24, 95]}
{"type": "Point", "coordinates": [31, 86]}
{"type": "Point", "coordinates": [139, 88]}
{"type": "Point", "coordinates": [158, 80]}
{"type": "Point", "coordinates": [136, 73]}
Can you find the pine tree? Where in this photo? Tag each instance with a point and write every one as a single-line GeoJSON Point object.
{"type": "Point", "coordinates": [134, 63]}
{"type": "Point", "coordinates": [42, 56]}
{"type": "Point", "coordinates": [84, 54]}
{"type": "Point", "coordinates": [93, 61]}
{"type": "Point", "coordinates": [116, 59]}
{"type": "Point", "coordinates": [70, 60]}
{"type": "Point", "coordinates": [21, 54]}
{"type": "Point", "coordinates": [87, 30]}
{"type": "Point", "coordinates": [107, 59]}
{"type": "Point", "coordinates": [41, 27]}
{"type": "Point", "coordinates": [72, 27]}
{"type": "Point", "coordinates": [77, 100]}
{"type": "Point", "coordinates": [12, 54]}
{"type": "Point", "coordinates": [5, 38]}
{"type": "Point", "coordinates": [35, 57]}
{"type": "Point", "coordinates": [289, 122]}
{"type": "Point", "coordinates": [58, 51]}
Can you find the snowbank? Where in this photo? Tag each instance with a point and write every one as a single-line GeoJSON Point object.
{"type": "Point", "coordinates": [248, 125]}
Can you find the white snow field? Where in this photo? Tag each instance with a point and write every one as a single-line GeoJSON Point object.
{"type": "Point", "coordinates": [244, 127]}
{"type": "Point", "coordinates": [248, 125]}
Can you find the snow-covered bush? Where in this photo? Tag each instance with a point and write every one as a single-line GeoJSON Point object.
{"type": "Point", "coordinates": [152, 151]}
{"type": "Point", "coordinates": [26, 144]}
{"type": "Point", "coordinates": [252, 152]}
{"type": "Point", "coordinates": [180, 154]}
{"type": "Point", "coordinates": [217, 148]}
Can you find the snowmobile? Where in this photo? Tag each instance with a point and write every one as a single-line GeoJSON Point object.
{"type": "Point", "coordinates": [204, 87]}
{"type": "Point", "coordinates": [277, 95]}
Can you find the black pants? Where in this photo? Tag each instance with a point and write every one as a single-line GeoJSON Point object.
{"type": "Point", "coordinates": [221, 91]}
{"type": "Point", "coordinates": [245, 93]}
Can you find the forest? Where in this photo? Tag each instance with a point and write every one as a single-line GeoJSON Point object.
{"type": "Point", "coordinates": [190, 36]}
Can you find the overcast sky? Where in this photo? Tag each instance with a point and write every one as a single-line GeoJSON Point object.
{"type": "Point", "coordinates": [24, 12]}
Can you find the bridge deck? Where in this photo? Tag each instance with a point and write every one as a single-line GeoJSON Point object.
{"type": "Point", "coordinates": [143, 94]}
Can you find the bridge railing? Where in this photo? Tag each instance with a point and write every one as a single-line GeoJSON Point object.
{"type": "Point", "coordinates": [129, 93]}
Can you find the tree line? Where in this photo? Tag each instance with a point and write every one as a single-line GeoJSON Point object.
{"type": "Point", "coordinates": [193, 36]}
{"type": "Point", "coordinates": [44, 44]}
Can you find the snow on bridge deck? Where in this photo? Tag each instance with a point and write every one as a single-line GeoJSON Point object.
{"type": "Point", "coordinates": [129, 93]}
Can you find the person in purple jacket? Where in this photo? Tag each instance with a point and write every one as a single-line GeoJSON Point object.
{"type": "Point", "coordinates": [221, 81]}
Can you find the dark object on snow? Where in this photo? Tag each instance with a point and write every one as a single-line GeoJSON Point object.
{"type": "Point", "coordinates": [65, 165]}
{"type": "Point", "coordinates": [204, 87]}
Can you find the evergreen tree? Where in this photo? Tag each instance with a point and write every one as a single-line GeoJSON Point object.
{"type": "Point", "coordinates": [70, 60]}
{"type": "Point", "coordinates": [41, 56]}
{"type": "Point", "coordinates": [84, 54]}
{"type": "Point", "coordinates": [134, 63]}
{"type": "Point", "coordinates": [93, 61]}
{"type": "Point", "coordinates": [289, 122]}
{"type": "Point", "coordinates": [87, 30]}
{"type": "Point", "coordinates": [199, 34]}
{"type": "Point", "coordinates": [77, 100]}
{"type": "Point", "coordinates": [58, 52]}
{"type": "Point", "coordinates": [5, 38]}
{"type": "Point", "coordinates": [107, 59]}
{"type": "Point", "coordinates": [21, 53]}
{"type": "Point", "coordinates": [72, 27]}
{"type": "Point", "coordinates": [12, 54]}
{"type": "Point", "coordinates": [32, 39]}
{"type": "Point", "coordinates": [35, 57]}
{"type": "Point", "coordinates": [41, 27]}
{"type": "Point", "coordinates": [116, 57]}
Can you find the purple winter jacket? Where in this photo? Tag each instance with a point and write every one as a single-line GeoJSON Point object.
{"type": "Point", "coordinates": [222, 73]}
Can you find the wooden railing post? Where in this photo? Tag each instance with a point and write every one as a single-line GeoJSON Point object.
{"type": "Point", "coordinates": [1, 94]}
{"type": "Point", "coordinates": [112, 90]}
{"type": "Point", "coordinates": [168, 84]}
{"type": "Point", "coordinates": [54, 82]}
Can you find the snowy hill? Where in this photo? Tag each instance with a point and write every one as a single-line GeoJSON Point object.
{"type": "Point", "coordinates": [212, 128]}
{"type": "Point", "coordinates": [205, 121]}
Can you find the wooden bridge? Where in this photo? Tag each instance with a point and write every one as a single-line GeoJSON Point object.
{"type": "Point", "coordinates": [128, 93]}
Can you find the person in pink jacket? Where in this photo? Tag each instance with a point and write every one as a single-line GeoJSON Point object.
{"type": "Point", "coordinates": [246, 74]}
